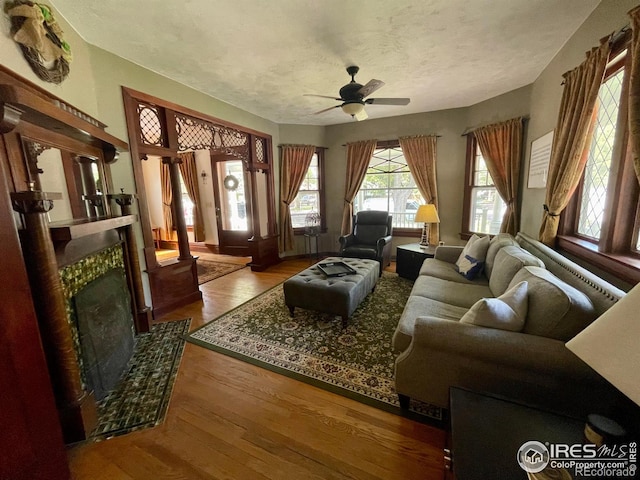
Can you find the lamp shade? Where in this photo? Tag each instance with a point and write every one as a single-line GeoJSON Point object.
{"type": "Point", "coordinates": [611, 345]}
{"type": "Point", "coordinates": [427, 214]}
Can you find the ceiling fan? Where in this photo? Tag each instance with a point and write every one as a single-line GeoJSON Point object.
{"type": "Point", "coordinates": [352, 96]}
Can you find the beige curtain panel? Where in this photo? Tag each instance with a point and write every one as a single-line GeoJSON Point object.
{"type": "Point", "coordinates": [295, 163]}
{"type": "Point", "coordinates": [572, 137]}
{"type": "Point", "coordinates": [167, 196]}
{"type": "Point", "coordinates": [501, 147]}
{"type": "Point", "coordinates": [358, 156]}
{"type": "Point", "coordinates": [420, 154]}
{"type": "Point", "coordinates": [189, 174]}
{"type": "Point", "coordinates": [634, 89]}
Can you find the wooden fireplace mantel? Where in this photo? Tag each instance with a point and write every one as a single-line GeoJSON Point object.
{"type": "Point", "coordinates": [82, 227]}
{"type": "Point", "coordinates": [30, 115]}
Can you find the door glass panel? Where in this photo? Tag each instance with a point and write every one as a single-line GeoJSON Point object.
{"type": "Point", "coordinates": [233, 211]}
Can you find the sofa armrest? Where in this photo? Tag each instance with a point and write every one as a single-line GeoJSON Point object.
{"type": "Point", "coordinates": [536, 370]}
{"type": "Point", "coordinates": [448, 253]}
{"type": "Point", "coordinates": [518, 350]}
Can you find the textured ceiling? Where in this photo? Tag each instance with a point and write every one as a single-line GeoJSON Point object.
{"type": "Point", "coordinates": [263, 55]}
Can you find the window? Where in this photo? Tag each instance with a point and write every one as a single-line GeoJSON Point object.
{"type": "Point", "coordinates": [389, 186]}
{"type": "Point", "coordinates": [483, 207]}
{"type": "Point", "coordinates": [187, 204]}
{"type": "Point", "coordinates": [601, 224]}
{"type": "Point", "coordinates": [310, 198]}
{"type": "Point", "coordinates": [596, 174]}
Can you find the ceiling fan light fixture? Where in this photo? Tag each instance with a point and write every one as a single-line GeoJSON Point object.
{"type": "Point", "coordinates": [353, 108]}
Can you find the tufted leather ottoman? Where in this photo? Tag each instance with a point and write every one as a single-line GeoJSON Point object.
{"type": "Point", "coordinates": [313, 290]}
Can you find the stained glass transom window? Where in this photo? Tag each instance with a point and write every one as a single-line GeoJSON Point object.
{"type": "Point", "coordinates": [195, 134]}
{"type": "Point", "coordinates": [151, 129]}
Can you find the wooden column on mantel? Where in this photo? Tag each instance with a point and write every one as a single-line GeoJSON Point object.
{"type": "Point", "coordinates": [142, 313]}
{"type": "Point", "coordinates": [76, 407]}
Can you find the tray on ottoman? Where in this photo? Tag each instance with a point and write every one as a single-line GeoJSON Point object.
{"type": "Point", "coordinates": [337, 295]}
{"type": "Point", "coordinates": [336, 269]}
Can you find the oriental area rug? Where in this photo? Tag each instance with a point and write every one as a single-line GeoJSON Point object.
{"type": "Point", "coordinates": [312, 347]}
{"type": "Point", "coordinates": [142, 396]}
{"type": "Point", "coordinates": [209, 270]}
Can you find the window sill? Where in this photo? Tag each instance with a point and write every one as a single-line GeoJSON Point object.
{"type": "Point", "coordinates": [625, 267]}
{"type": "Point", "coordinates": [301, 231]}
{"type": "Point", "coordinates": [407, 232]}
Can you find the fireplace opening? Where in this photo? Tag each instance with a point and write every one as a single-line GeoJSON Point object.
{"type": "Point", "coordinates": [105, 330]}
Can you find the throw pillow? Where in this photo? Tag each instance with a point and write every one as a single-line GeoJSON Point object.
{"type": "Point", "coordinates": [476, 248]}
{"type": "Point", "coordinates": [470, 267]}
{"type": "Point", "coordinates": [507, 312]}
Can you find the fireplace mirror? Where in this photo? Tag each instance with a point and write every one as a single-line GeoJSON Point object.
{"type": "Point", "coordinates": [78, 177]}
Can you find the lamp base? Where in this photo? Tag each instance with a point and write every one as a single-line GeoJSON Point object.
{"type": "Point", "coordinates": [424, 239]}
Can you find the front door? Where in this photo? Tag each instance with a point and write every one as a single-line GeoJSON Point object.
{"type": "Point", "coordinates": [233, 205]}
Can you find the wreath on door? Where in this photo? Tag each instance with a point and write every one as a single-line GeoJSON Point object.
{"type": "Point", "coordinates": [35, 29]}
{"type": "Point", "coordinates": [231, 183]}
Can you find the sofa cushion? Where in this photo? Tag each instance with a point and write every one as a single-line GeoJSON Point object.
{"type": "Point", "coordinates": [556, 309]}
{"type": "Point", "coordinates": [509, 260]}
{"type": "Point", "coordinates": [507, 312]}
{"type": "Point", "coordinates": [447, 291]}
{"type": "Point", "coordinates": [418, 306]}
{"type": "Point", "coordinates": [499, 241]}
{"type": "Point", "coordinates": [448, 271]}
{"type": "Point", "coordinates": [475, 248]}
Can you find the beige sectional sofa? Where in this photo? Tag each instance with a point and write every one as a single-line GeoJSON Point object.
{"type": "Point", "coordinates": [437, 351]}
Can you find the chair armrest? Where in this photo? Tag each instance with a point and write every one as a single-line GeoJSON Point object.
{"type": "Point", "coordinates": [346, 240]}
{"type": "Point", "coordinates": [382, 242]}
{"type": "Point", "coordinates": [448, 253]}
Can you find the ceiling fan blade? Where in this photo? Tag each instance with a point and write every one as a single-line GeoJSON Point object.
{"type": "Point", "coordinates": [371, 86]}
{"type": "Point", "coordinates": [388, 101]}
{"type": "Point", "coordinates": [361, 116]}
{"type": "Point", "coordinates": [326, 109]}
{"type": "Point", "coordinates": [321, 96]}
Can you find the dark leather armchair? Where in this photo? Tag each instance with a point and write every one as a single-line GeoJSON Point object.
{"type": "Point", "coordinates": [371, 237]}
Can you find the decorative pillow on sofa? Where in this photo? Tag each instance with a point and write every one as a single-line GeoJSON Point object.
{"type": "Point", "coordinates": [507, 312]}
{"type": "Point", "coordinates": [470, 267]}
{"type": "Point", "coordinates": [475, 252]}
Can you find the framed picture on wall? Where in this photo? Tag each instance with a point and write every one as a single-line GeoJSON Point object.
{"type": "Point", "coordinates": [539, 161]}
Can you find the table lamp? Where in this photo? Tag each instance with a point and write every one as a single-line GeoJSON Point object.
{"type": "Point", "coordinates": [426, 214]}
{"type": "Point", "coordinates": [611, 345]}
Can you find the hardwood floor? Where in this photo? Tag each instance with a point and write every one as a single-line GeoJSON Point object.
{"type": "Point", "coordinates": [229, 419]}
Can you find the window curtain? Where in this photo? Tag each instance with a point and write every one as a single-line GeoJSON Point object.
{"type": "Point", "coordinates": [358, 157]}
{"type": "Point", "coordinates": [167, 196]}
{"type": "Point", "coordinates": [295, 164]}
{"type": "Point", "coordinates": [572, 137]}
{"type": "Point", "coordinates": [501, 147]}
{"type": "Point", "coordinates": [634, 89]}
{"type": "Point", "coordinates": [420, 154]}
{"type": "Point", "coordinates": [189, 174]}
